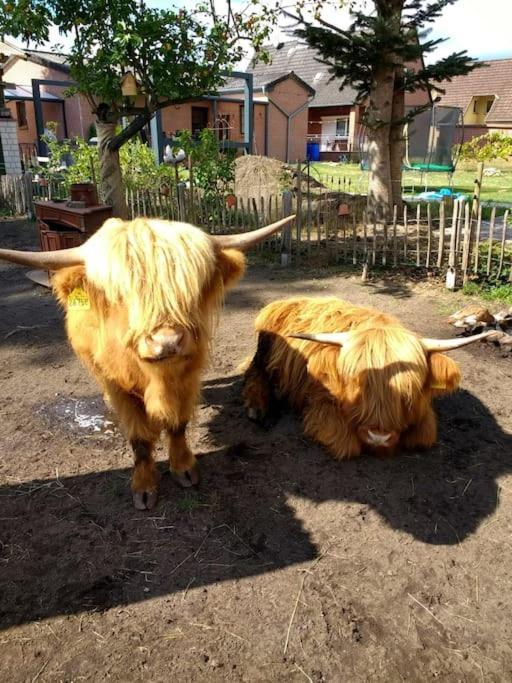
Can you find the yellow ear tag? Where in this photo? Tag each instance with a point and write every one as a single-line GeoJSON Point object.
{"type": "Point", "coordinates": [78, 300]}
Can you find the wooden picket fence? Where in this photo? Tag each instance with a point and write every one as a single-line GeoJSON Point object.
{"type": "Point", "coordinates": [16, 195]}
{"type": "Point", "coordinates": [336, 227]}
{"type": "Point", "coordinates": [331, 226]}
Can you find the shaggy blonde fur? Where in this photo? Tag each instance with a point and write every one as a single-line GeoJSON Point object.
{"type": "Point", "coordinates": [157, 269]}
{"type": "Point", "coordinates": [137, 276]}
{"type": "Point", "coordinates": [381, 379]}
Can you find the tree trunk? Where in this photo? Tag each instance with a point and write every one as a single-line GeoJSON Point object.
{"type": "Point", "coordinates": [382, 191]}
{"type": "Point", "coordinates": [110, 171]}
{"type": "Point", "coordinates": [378, 120]}
{"type": "Point", "coordinates": [396, 141]}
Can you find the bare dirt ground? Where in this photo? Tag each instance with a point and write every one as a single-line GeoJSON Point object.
{"type": "Point", "coordinates": [284, 565]}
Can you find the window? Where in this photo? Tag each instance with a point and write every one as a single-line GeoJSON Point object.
{"type": "Point", "coordinates": [489, 105]}
{"type": "Point", "coordinates": [21, 114]}
{"type": "Point", "coordinates": [199, 119]}
{"type": "Point", "coordinates": [342, 127]}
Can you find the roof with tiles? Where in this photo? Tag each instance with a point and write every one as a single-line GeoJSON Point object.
{"type": "Point", "coordinates": [297, 57]}
{"type": "Point", "coordinates": [494, 77]}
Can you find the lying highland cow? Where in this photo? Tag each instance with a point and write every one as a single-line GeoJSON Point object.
{"type": "Point", "coordinates": [363, 382]}
{"type": "Point", "coordinates": [140, 297]}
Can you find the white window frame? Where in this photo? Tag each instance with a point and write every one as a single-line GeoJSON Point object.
{"type": "Point", "coordinates": [328, 140]}
{"type": "Point", "coordinates": [346, 121]}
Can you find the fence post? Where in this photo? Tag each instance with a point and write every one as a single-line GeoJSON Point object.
{"type": "Point", "coordinates": [286, 253]}
{"type": "Point", "coordinates": [466, 244]}
{"type": "Point", "coordinates": [451, 273]}
{"type": "Point", "coordinates": [491, 231]}
{"type": "Point", "coordinates": [182, 202]}
{"type": "Point", "coordinates": [478, 189]}
{"type": "Point", "coordinates": [429, 235]}
{"type": "Point", "coordinates": [28, 194]}
{"type": "Point", "coordinates": [298, 220]}
{"type": "Point", "coordinates": [440, 250]}
{"type": "Point", "coordinates": [503, 241]}
{"type": "Point", "coordinates": [418, 235]}
{"type": "Point", "coordinates": [395, 242]}
{"type": "Point", "coordinates": [192, 212]}
{"type": "Point", "coordinates": [477, 239]}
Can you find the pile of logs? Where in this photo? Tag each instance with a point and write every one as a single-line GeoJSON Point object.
{"type": "Point", "coordinates": [475, 318]}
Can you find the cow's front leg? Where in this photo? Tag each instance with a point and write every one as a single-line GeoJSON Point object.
{"type": "Point", "coordinates": [142, 432]}
{"type": "Point", "coordinates": [324, 422]}
{"type": "Point", "coordinates": [423, 434]}
{"type": "Point", "coordinates": [145, 477]}
{"type": "Point", "coordinates": [182, 461]}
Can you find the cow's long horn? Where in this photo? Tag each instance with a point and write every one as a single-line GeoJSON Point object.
{"type": "Point", "coordinates": [334, 338]}
{"type": "Point", "coordinates": [246, 240]}
{"type": "Point", "coordinates": [450, 344]}
{"type": "Point", "coordinates": [47, 260]}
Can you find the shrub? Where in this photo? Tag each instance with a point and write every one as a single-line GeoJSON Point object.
{"type": "Point", "coordinates": [139, 166]}
{"type": "Point", "coordinates": [495, 261]}
{"type": "Point", "coordinates": [214, 169]}
{"type": "Point", "coordinates": [487, 147]}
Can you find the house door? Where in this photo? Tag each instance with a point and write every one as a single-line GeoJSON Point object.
{"type": "Point", "coordinates": [199, 119]}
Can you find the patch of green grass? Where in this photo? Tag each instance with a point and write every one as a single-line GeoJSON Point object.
{"type": "Point", "coordinates": [501, 293]}
{"type": "Point", "coordinates": [494, 188]}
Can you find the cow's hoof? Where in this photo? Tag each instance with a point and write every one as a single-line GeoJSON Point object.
{"type": "Point", "coordinates": [145, 500]}
{"type": "Point", "coordinates": [188, 478]}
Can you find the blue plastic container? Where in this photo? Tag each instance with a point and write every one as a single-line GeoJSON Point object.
{"type": "Point", "coordinates": [313, 151]}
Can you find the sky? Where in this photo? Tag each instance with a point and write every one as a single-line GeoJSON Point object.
{"type": "Point", "coordinates": [482, 27]}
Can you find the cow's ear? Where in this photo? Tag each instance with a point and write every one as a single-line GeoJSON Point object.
{"type": "Point", "coordinates": [231, 264]}
{"type": "Point", "coordinates": [66, 280]}
{"type": "Point", "coordinates": [444, 374]}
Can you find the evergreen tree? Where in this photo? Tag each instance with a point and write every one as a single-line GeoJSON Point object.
{"type": "Point", "coordinates": [370, 56]}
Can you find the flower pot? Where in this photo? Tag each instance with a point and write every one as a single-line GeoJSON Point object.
{"type": "Point", "coordinates": [231, 201]}
{"type": "Point", "coordinates": [84, 192]}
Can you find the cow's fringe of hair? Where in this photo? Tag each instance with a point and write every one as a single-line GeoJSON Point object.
{"type": "Point", "coordinates": [157, 269]}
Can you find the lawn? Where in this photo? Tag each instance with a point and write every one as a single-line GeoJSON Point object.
{"type": "Point", "coordinates": [353, 179]}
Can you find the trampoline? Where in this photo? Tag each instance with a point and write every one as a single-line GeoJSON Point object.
{"type": "Point", "coordinates": [432, 141]}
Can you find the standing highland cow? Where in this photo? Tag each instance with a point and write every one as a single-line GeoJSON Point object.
{"type": "Point", "coordinates": [140, 298]}
{"type": "Point", "coordinates": [360, 380]}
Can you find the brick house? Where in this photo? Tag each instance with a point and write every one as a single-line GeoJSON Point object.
{"type": "Point", "coordinates": [280, 115]}
{"type": "Point", "coordinates": [23, 66]}
{"type": "Point", "coordinates": [485, 97]}
{"type": "Point", "coordinates": [334, 120]}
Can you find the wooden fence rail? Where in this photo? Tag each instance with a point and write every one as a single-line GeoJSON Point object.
{"type": "Point", "coordinates": [332, 226]}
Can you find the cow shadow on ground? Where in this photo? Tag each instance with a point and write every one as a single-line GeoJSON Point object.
{"type": "Point", "coordinates": [439, 496]}
{"type": "Point", "coordinates": [75, 543]}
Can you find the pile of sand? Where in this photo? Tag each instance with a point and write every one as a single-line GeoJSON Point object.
{"type": "Point", "coordinates": [257, 177]}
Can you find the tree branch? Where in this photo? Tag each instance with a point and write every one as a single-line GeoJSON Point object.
{"type": "Point", "coordinates": [131, 129]}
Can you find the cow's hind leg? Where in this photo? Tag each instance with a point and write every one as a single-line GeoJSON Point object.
{"type": "Point", "coordinates": [257, 392]}
{"type": "Point", "coordinates": [182, 461]}
{"type": "Point", "coordinates": [142, 434]}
